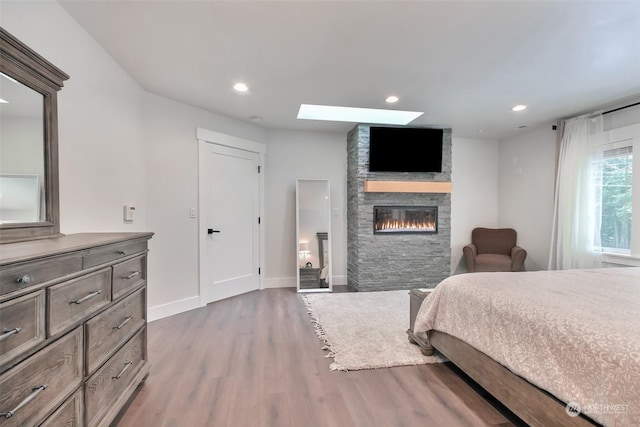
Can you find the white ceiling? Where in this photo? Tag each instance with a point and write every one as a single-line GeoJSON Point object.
{"type": "Point", "coordinates": [464, 63]}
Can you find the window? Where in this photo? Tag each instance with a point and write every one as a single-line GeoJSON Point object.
{"type": "Point", "coordinates": [617, 186]}
{"type": "Point", "coordinates": [616, 180]}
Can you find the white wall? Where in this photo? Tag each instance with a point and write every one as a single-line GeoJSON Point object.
{"type": "Point", "coordinates": [171, 163]}
{"type": "Point", "coordinates": [474, 201]}
{"type": "Point", "coordinates": [101, 151]}
{"type": "Point", "coordinates": [624, 117]}
{"type": "Point", "coordinates": [527, 183]}
{"type": "Point", "coordinates": [311, 155]}
{"type": "Point", "coordinates": [526, 188]}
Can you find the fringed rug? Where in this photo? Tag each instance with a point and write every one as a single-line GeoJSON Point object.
{"type": "Point", "coordinates": [365, 330]}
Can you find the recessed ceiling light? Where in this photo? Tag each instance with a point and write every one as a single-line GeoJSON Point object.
{"type": "Point", "coordinates": [356, 115]}
{"type": "Point", "coordinates": [240, 87]}
{"type": "Point", "coordinates": [519, 107]}
{"type": "Point", "coordinates": [3, 101]}
{"type": "Point", "coordinates": [392, 99]}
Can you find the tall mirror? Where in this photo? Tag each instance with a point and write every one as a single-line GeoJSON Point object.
{"type": "Point", "coordinates": [313, 235]}
{"type": "Point", "coordinates": [28, 142]}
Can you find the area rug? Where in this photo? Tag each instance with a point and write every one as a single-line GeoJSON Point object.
{"type": "Point", "coordinates": [365, 330]}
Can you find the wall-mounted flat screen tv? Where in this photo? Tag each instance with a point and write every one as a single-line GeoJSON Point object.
{"type": "Point", "coordinates": [398, 149]}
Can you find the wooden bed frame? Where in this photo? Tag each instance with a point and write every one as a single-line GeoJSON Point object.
{"type": "Point", "coordinates": [532, 404]}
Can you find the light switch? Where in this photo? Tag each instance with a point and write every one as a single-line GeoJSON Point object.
{"type": "Point", "coordinates": [127, 212]}
{"type": "Point", "coordinates": [192, 213]}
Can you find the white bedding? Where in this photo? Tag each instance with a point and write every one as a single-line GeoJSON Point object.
{"type": "Point", "coordinates": [574, 333]}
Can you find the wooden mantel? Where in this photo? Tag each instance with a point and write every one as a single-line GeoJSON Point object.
{"type": "Point", "coordinates": [407, 187]}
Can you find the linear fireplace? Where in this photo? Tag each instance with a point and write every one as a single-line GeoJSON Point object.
{"type": "Point", "coordinates": [405, 219]}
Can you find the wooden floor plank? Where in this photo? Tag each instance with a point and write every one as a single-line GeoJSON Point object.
{"type": "Point", "coordinates": [254, 360]}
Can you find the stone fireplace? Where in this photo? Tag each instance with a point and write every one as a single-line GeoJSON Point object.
{"type": "Point", "coordinates": [412, 256]}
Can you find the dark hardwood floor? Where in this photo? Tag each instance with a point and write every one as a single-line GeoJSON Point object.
{"type": "Point", "coordinates": [254, 360]}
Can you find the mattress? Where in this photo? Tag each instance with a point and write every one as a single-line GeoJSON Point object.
{"type": "Point", "coordinates": [573, 333]}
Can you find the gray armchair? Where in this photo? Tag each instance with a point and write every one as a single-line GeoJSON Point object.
{"type": "Point", "coordinates": [494, 249]}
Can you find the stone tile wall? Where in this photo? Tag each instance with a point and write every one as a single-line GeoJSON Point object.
{"type": "Point", "coordinates": [393, 261]}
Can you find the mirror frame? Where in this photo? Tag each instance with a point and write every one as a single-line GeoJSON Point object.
{"type": "Point", "coordinates": [20, 62]}
{"type": "Point", "coordinates": [324, 238]}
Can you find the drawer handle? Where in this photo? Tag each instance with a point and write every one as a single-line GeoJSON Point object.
{"type": "Point", "coordinates": [8, 332]}
{"type": "Point", "coordinates": [86, 297]}
{"type": "Point", "coordinates": [126, 366]}
{"type": "Point", "coordinates": [123, 253]}
{"type": "Point", "coordinates": [132, 275]}
{"type": "Point", "coordinates": [24, 280]}
{"type": "Point", "coordinates": [36, 391]}
{"type": "Point", "coordinates": [124, 322]}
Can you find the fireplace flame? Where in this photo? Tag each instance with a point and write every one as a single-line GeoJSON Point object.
{"type": "Point", "coordinates": [403, 225]}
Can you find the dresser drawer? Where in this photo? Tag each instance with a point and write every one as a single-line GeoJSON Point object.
{"type": "Point", "coordinates": [76, 299]}
{"type": "Point", "coordinates": [22, 275]}
{"type": "Point", "coordinates": [113, 252]}
{"type": "Point", "coordinates": [70, 414]}
{"type": "Point", "coordinates": [105, 386]}
{"type": "Point", "coordinates": [42, 382]}
{"type": "Point", "coordinates": [309, 277]}
{"type": "Point", "coordinates": [127, 275]}
{"type": "Point", "coordinates": [21, 325]}
{"type": "Point", "coordinates": [108, 330]}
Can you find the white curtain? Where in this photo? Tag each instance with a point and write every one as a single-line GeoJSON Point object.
{"type": "Point", "coordinates": [575, 239]}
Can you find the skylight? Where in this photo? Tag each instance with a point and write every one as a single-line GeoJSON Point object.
{"type": "Point", "coordinates": [356, 115]}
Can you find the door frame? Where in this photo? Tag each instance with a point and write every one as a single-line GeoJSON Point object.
{"type": "Point", "coordinates": [206, 137]}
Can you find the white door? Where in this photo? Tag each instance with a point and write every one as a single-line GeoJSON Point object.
{"type": "Point", "coordinates": [229, 233]}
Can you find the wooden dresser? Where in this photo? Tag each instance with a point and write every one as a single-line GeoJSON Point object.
{"type": "Point", "coordinates": [73, 345]}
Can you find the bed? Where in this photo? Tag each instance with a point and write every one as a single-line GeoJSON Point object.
{"type": "Point", "coordinates": [541, 340]}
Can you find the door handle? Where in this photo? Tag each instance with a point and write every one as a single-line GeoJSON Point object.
{"type": "Point", "coordinates": [211, 231]}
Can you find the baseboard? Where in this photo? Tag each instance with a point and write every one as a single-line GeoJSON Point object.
{"type": "Point", "coordinates": [165, 310]}
{"type": "Point", "coordinates": [339, 280]}
{"type": "Point", "coordinates": [279, 282]}
{"type": "Point", "coordinates": [169, 309]}
{"type": "Point", "coordinates": [290, 282]}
